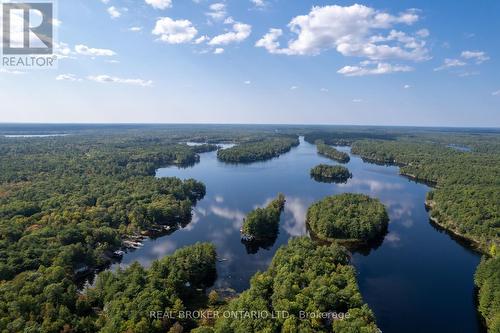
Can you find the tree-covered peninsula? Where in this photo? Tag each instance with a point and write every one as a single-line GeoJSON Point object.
{"type": "Point", "coordinates": [330, 173]}
{"type": "Point", "coordinates": [331, 152]}
{"type": "Point", "coordinates": [135, 299]}
{"type": "Point", "coordinates": [66, 204]}
{"type": "Point", "coordinates": [347, 217]}
{"type": "Point", "coordinates": [307, 288]}
{"type": "Point", "coordinates": [263, 223]}
{"type": "Point", "coordinates": [258, 151]}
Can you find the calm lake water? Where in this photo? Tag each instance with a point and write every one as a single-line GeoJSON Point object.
{"type": "Point", "coordinates": [417, 280]}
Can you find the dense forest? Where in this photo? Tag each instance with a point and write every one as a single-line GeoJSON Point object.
{"type": "Point", "coordinates": [66, 204]}
{"type": "Point", "coordinates": [262, 224]}
{"type": "Point", "coordinates": [46, 300]}
{"type": "Point", "coordinates": [347, 217]}
{"type": "Point", "coordinates": [125, 299]}
{"type": "Point", "coordinates": [330, 152]}
{"type": "Point", "coordinates": [330, 173]}
{"type": "Point", "coordinates": [304, 282]}
{"type": "Point", "coordinates": [258, 151]}
{"type": "Point", "coordinates": [487, 278]}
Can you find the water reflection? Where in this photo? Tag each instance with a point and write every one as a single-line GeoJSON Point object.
{"type": "Point", "coordinates": [253, 246]}
{"type": "Point", "coordinates": [404, 276]}
{"type": "Point", "coordinates": [295, 216]}
{"type": "Point", "coordinates": [370, 185]}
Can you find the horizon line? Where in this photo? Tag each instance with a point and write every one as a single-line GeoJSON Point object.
{"type": "Point", "coordinates": [244, 124]}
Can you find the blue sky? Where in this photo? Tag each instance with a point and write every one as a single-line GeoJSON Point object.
{"type": "Point", "coordinates": [429, 63]}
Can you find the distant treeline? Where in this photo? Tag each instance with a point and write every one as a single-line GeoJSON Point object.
{"type": "Point", "coordinates": [258, 151]}
{"type": "Point", "coordinates": [344, 138]}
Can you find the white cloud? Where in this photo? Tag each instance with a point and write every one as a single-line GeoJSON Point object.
{"type": "Point", "coordinates": [351, 31]}
{"type": "Point", "coordinates": [135, 29]}
{"type": "Point", "coordinates": [466, 73]}
{"type": "Point", "coordinates": [87, 51]}
{"type": "Point", "coordinates": [160, 4]}
{"type": "Point", "coordinates": [174, 31]}
{"type": "Point", "coordinates": [407, 86]}
{"type": "Point", "coordinates": [105, 1]}
{"type": "Point", "coordinates": [114, 12]}
{"type": "Point", "coordinates": [113, 79]}
{"type": "Point", "coordinates": [247, 82]}
{"type": "Point", "coordinates": [219, 50]}
{"type": "Point", "coordinates": [496, 93]}
{"type": "Point", "coordinates": [240, 32]}
{"type": "Point", "coordinates": [478, 56]}
{"type": "Point", "coordinates": [449, 63]}
{"type": "Point", "coordinates": [357, 100]}
{"type": "Point", "coordinates": [270, 43]}
{"type": "Point", "coordinates": [217, 11]}
{"type": "Point", "coordinates": [424, 33]}
{"type": "Point", "coordinates": [294, 88]}
{"type": "Point", "coordinates": [229, 20]}
{"type": "Point", "coordinates": [324, 90]}
{"type": "Point", "coordinates": [67, 77]}
{"type": "Point", "coordinates": [201, 39]}
{"type": "Point", "coordinates": [381, 68]}
{"type": "Point", "coordinates": [62, 51]}
{"type": "Point", "coordinates": [259, 3]}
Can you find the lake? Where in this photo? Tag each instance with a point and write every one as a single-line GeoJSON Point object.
{"type": "Point", "coordinates": [418, 280]}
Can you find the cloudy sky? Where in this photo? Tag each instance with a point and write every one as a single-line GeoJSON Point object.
{"type": "Point", "coordinates": [406, 62]}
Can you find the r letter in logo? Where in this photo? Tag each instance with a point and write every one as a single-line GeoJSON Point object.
{"type": "Point", "coordinates": [28, 28]}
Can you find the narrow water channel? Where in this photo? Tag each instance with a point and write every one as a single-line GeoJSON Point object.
{"type": "Point", "coordinates": [417, 280]}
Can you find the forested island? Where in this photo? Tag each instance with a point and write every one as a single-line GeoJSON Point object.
{"type": "Point", "coordinates": [330, 173]}
{"type": "Point", "coordinates": [263, 223]}
{"type": "Point", "coordinates": [331, 152]}
{"type": "Point", "coordinates": [258, 151]}
{"type": "Point", "coordinates": [347, 217]}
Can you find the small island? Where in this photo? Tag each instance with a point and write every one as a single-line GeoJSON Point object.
{"type": "Point", "coordinates": [263, 223]}
{"type": "Point", "coordinates": [330, 173]}
{"type": "Point", "coordinates": [332, 153]}
{"type": "Point", "coordinates": [347, 218]}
